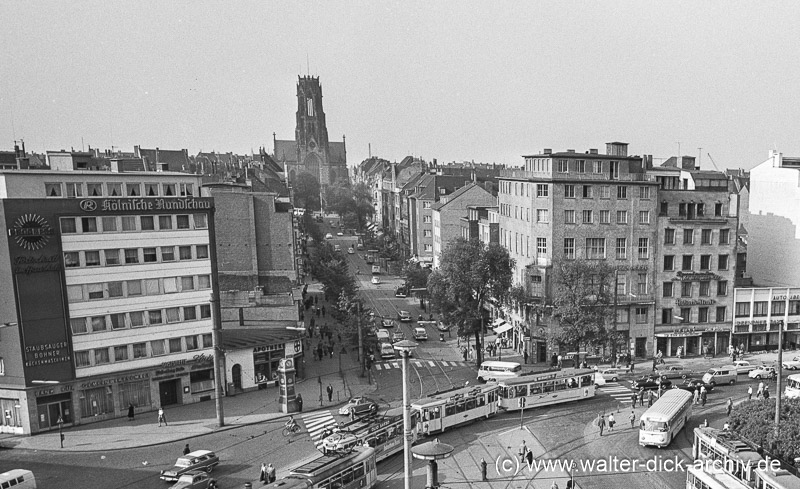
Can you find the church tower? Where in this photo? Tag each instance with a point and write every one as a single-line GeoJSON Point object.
{"type": "Point", "coordinates": [311, 132]}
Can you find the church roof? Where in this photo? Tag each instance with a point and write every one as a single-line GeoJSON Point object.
{"type": "Point", "coordinates": [337, 153]}
{"type": "Point", "coordinates": [286, 151]}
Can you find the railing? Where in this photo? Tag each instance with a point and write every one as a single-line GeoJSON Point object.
{"type": "Point", "coordinates": [588, 177]}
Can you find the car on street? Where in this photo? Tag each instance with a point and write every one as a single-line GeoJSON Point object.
{"type": "Point", "coordinates": [743, 366]}
{"type": "Point", "coordinates": [598, 379]}
{"type": "Point", "coordinates": [359, 405]}
{"type": "Point", "coordinates": [398, 336]}
{"type": "Point", "coordinates": [387, 350]}
{"type": "Point", "coordinates": [339, 234]}
{"type": "Point", "coordinates": [404, 316]}
{"type": "Point", "coordinates": [198, 460]}
{"type": "Point", "coordinates": [337, 247]}
{"type": "Point", "coordinates": [792, 364]}
{"type": "Point", "coordinates": [360, 246]}
{"type": "Point", "coordinates": [442, 327]}
{"type": "Point", "coordinates": [674, 372]}
{"type": "Point", "coordinates": [376, 280]}
{"type": "Point", "coordinates": [612, 374]}
{"type": "Point", "coordinates": [388, 323]}
{"type": "Point", "coordinates": [350, 250]}
{"type": "Point", "coordinates": [329, 236]}
{"type": "Point", "coordinates": [420, 334]}
{"type": "Point", "coordinates": [763, 372]}
{"type": "Point", "coordinates": [384, 336]}
{"type": "Point", "coordinates": [649, 383]}
{"type": "Point", "coordinates": [195, 479]}
{"type": "Point", "coordinates": [401, 292]}
{"type": "Point", "coordinates": [693, 384]}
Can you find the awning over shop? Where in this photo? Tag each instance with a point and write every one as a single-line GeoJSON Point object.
{"type": "Point", "coordinates": [503, 328]}
{"type": "Point", "coordinates": [237, 339]}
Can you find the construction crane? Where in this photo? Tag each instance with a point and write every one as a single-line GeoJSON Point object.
{"type": "Point", "coordinates": [713, 162]}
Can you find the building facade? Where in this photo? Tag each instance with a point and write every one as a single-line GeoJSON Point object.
{"type": "Point", "coordinates": [449, 212]}
{"type": "Point", "coordinates": [760, 314]}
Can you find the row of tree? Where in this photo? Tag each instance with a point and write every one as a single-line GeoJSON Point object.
{"type": "Point", "coordinates": [353, 203]}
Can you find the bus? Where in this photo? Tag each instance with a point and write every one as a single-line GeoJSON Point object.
{"type": "Point", "coordinates": [714, 478]}
{"type": "Point", "coordinates": [735, 457]}
{"type": "Point", "coordinates": [792, 390]}
{"type": "Point", "coordinates": [350, 470]}
{"type": "Point", "coordinates": [455, 407]}
{"type": "Point", "coordinates": [664, 419]}
{"type": "Point", "coordinates": [492, 370]}
{"type": "Point", "coordinates": [544, 389]}
{"type": "Point", "coordinates": [766, 478]}
{"type": "Point", "coordinates": [18, 479]}
{"type": "Point", "coordinates": [383, 433]}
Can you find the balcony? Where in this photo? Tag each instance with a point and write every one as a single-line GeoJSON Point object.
{"type": "Point", "coordinates": [589, 177]}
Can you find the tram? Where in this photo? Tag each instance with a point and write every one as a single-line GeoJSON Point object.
{"type": "Point", "coordinates": [544, 389]}
{"type": "Point", "coordinates": [340, 471]}
{"type": "Point", "coordinates": [456, 407]}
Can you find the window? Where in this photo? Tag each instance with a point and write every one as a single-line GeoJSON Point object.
{"type": "Point", "coordinates": [701, 210]}
{"type": "Point", "coordinates": [428, 247]}
{"type": "Point", "coordinates": [189, 313]}
{"type": "Point", "coordinates": [205, 311]}
{"type": "Point", "coordinates": [542, 215]}
{"type": "Point", "coordinates": [724, 236]}
{"type": "Point", "coordinates": [426, 233]}
{"type": "Point", "coordinates": [117, 321]}
{"type": "Point", "coordinates": [622, 192]}
{"type": "Point", "coordinates": [115, 289]}
{"type": "Point", "coordinates": [687, 262]}
{"type": "Point", "coordinates": [587, 191]}
{"type": "Point", "coordinates": [705, 236]}
{"type": "Point", "coordinates": [139, 350]}
{"type": "Point", "coordinates": [151, 286]}
{"type": "Point", "coordinates": [686, 314]}
{"type": "Point", "coordinates": [702, 315]}
{"type": "Point", "coordinates": [722, 287]}
{"type": "Point", "coordinates": [569, 248]}
{"type": "Point", "coordinates": [644, 217]}
{"type": "Point", "coordinates": [133, 190]}
{"type": "Point", "coordinates": [167, 253]}
{"type": "Point", "coordinates": [664, 209]}
{"type": "Point", "coordinates": [74, 190]}
{"type": "Point", "coordinates": [157, 347]}
{"type": "Point", "coordinates": [666, 315]}
{"type": "Point", "coordinates": [644, 248]}
{"type": "Point", "coordinates": [587, 217]}
{"type": "Point", "coordinates": [120, 353]}
{"type": "Point", "coordinates": [187, 283]}
{"type": "Point", "coordinates": [622, 248]}
{"type": "Point", "coordinates": [605, 217]}
{"type": "Point", "coordinates": [427, 219]}
{"type": "Point", "coordinates": [720, 314]}
{"type": "Point", "coordinates": [641, 315]}
{"type": "Point", "coordinates": [644, 192]}
{"type": "Point", "coordinates": [89, 224]}
{"type": "Point", "coordinates": [605, 192]}
{"type": "Point", "coordinates": [682, 209]}
{"type": "Point", "coordinates": [129, 223]}
{"type": "Point", "coordinates": [191, 343]}
{"type": "Point", "coordinates": [595, 248]}
{"type": "Point", "coordinates": [778, 308]}
{"type": "Point", "coordinates": [597, 166]}
{"type": "Point", "coordinates": [204, 281]}
{"type": "Point", "coordinates": [742, 309]}
{"type": "Point", "coordinates": [94, 189]}
{"type": "Point", "coordinates": [705, 285]}
{"type": "Point", "coordinates": [667, 289]}
{"type": "Point", "coordinates": [541, 246]}
{"type": "Point", "coordinates": [52, 189]}
{"type": "Point", "coordinates": [569, 191]}
{"type": "Point", "coordinates": [68, 225]}
{"type": "Point", "coordinates": [688, 236]}
{"type": "Point", "coordinates": [173, 314]}
{"type": "Point", "coordinates": [185, 252]}
{"type": "Point", "coordinates": [78, 325]}
{"type": "Point", "coordinates": [147, 223]}
{"type": "Point", "coordinates": [82, 359]}
{"type": "Point", "coordinates": [95, 291]}
{"type": "Point", "coordinates": [187, 189]}
{"type": "Point", "coordinates": [426, 204]}
{"type": "Point", "coordinates": [569, 217]}
{"type": "Point", "coordinates": [149, 255]}
{"type": "Point", "coordinates": [114, 189]}
{"type": "Point", "coordinates": [669, 236]}
{"type": "Point", "coordinates": [718, 209]}
{"type": "Point", "coordinates": [686, 289]}
{"type": "Point", "coordinates": [109, 224]}
{"type": "Point", "coordinates": [669, 263]}
{"type": "Point", "coordinates": [722, 262]}
{"type": "Point", "coordinates": [760, 308]}
{"type": "Point", "coordinates": [155, 317]}
{"type": "Point", "coordinates": [641, 284]}
{"type": "Point", "coordinates": [72, 259]}
{"type": "Point", "coordinates": [182, 221]}
{"type": "Point", "coordinates": [99, 324]}
{"type": "Point", "coordinates": [170, 285]}
{"type": "Point", "coordinates": [542, 190]}
{"type": "Point", "coordinates": [75, 293]}
{"type": "Point", "coordinates": [200, 221]}
{"type": "Point", "coordinates": [164, 222]}
{"type": "Point", "coordinates": [134, 287]}
{"type": "Point", "coordinates": [622, 217]}
{"type": "Point", "coordinates": [581, 166]}
{"type": "Point", "coordinates": [175, 345]}
{"type": "Point", "coordinates": [151, 189]}
{"type": "Point", "coordinates": [705, 262]}
{"type": "Point", "coordinates": [131, 255]}
{"type": "Point", "coordinates": [208, 342]}
{"type": "Point", "coordinates": [137, 319]}
{"type": "Point", "coordinates": [563, 166]}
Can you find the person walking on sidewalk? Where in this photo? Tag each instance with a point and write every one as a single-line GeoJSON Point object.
{"type": "Point", "coordinates": [641, 396]}
{"type": "Point", "coordinates": [760, 391]}
{"type": "Point", "coordinates": [299, 403]}
{"type": "Point", "coordinates": [632, 419]}
{"type": "Point", "coordinates": [729, 406]}
{"type": "Point", "coordinates": [263, 477]}
{"type": "Point", "coordinates": [766, 392]}
{"type": "Point", "coordinates": [131, 411]}
{"type": "Point", "coordinates": [161, 417]}
{"type": "Point", "coordinates": [330, 392]}
{"type": "Point", "coordinates": [611, 421]}
{"type": "Point", "coordinates": [696, 396]}
{"type": "Point", "coordinates": [749, 392]}
{"type": "Point", "coordinates": [633, 399]}
{"type": "Point", "coordinates": [186, 450]}
{"type": "Point", "coordinates": [323, 311]}
{"type": "Point", "coordinates": [703, 396]}
{"type": "Point", "coordinates": [271, 475]}
{"type": "Point", "coordinates": [601, 423]}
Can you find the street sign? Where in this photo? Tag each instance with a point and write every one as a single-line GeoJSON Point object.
{"type": "Point", "coordinates": [521, 402]}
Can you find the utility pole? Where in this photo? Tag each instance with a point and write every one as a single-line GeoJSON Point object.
{"type": "Point", "coordinates": [219, 376]}
{"type": "Point", "coordinates": [614, 334]}
{"type": "Point", "coordinates": [360, 339]}
{"type": "Point", "coordinates": [779, 369]}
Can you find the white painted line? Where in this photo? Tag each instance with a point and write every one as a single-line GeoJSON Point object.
{"type": "Point", "coordinates": [395, 365]}
{"type": "Point", "coordinates": [418, 364]}
{"type": "Point", "coordinates": [377, 366]}
{"type": "Point", "coordinates": [432, 364]}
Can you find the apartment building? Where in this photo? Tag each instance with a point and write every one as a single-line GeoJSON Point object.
{"type": "Point", "coordinates": [448, 214]}
{"type": "Point", "coordinates": [759, 315]}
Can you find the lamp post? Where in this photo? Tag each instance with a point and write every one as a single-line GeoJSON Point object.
{"type": "Point", "coordinates": [405, 348]}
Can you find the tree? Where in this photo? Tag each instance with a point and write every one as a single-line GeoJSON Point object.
{"type": "Point", "coordinates": [353, 203]}
{"type": "Point", "coordinates": [306, 192]}
{"type": "Point", "coordinates": [754, 421]}
{"type": "Point", "coordinates": [416, 276]}
{"type": "Point", "coordinates": [331, 268]}
{"type": "Point", "coordinates": [583, 304]}
{"type": "Point", "coordinates": [470, 273]}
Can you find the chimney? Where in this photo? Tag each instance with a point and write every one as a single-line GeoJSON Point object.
{"type": "Point", "coordinates": [592, 151]}
{"type": "Point", "coordinates": [548, 151]}
{"type": "Point", "coordinates": [16, 151]}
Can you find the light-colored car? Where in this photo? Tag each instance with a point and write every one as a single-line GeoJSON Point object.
{"type": "Point", "coordinates": [359, 405]}
{"type": "Point", "coordinates": [420, 334]}
{"type": "Point", "coordinates": [337, 247]}
{"type": "Point", "coordinates": [388, 323]}
{"type": "Point", "coordinates": [350, 250]}
{"type": "Point", "coordinates": [195, 479]}
{"type": "Point", "coordinates": [398, 335]}
{"type": "Point", "coordinates": [675, 372]}
{"type": "Point", "coordinates": [792, 364]}
{"type": "Point", "coordinates": [743, 366]}
{"type": "Point", "coordinates": [763, 372]}
{"type": "Point", "coordinates": [387, 351]}
{"type": "Point", "coordinates": [404, 316]}
{"type": "Point", "coordinates": [599, 379]}
{"type": "Point", "coordinates": [612, 374]}
{"type": "Point", "coordinates": [198, 460]}
{"type": "Point", "coordinates": [339, 234]}
{"type": "Point", "coordinates": [329, 236]}
{"type": "Point", "coordinates": [384, 336]}
{"type": "Point", "coordinates": [376, 280]}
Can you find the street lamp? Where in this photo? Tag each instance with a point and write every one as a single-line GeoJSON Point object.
{"type": "Point", "coordinates": [405, 348]}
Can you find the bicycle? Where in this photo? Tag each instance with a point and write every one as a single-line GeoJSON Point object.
{"type": "Point", "coordinates": [290, 430]}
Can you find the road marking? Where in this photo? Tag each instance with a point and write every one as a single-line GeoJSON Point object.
{"type": "Point", "coordinates": [378, 366]}
{"type": "Point", "coordinates": [432, 364]}
{"type": "Point", "coordinates": [395, 365]}
{"type": "Point", "coordinates": [316, 423]}
{"type": "Point", "coordinates": [419, 365]}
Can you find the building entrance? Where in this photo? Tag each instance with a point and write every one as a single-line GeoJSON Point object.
{"type": "Point", "coordinates": [169, 392]}
{"type": "Point", "coordinates": [53, 408]}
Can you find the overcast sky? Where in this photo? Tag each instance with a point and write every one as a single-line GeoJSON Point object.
{"type": "Point", "coordinates": [483, 81]}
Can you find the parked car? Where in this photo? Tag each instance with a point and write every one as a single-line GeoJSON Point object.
{"type": "Point", "coordinates": [674, 372]}
{"type": "Point", "coordinates": [649, 383]}
{"type": "Point", "coordinates": [376, 280]}
{"type": "Point", "coordinates": [198, 460]}
{"type": "Point", "coordinates": [743, 366]}
{"type": "Point", "coordinates": [195, 479]}
{"type": "Point", "coordinates": [384, 336]}
{"type": "Point", "coordinates": [398, 335]}
{"type": "Point", "coordinates": [387, 350]}
{"type": "Point", "coordinates": [388, 323]}
{"type": "Point", "coordinates": [329, 236]}
{"type": "Point", "coordinates": [763, 372]}
{"type": "Point", "coordinates": [404, 316]}
{"type": "Point", "coordinates": [401, 292]}
{"type": "Point", "coordinates": [693, 384]}
{"type": "Point", "coordinates": [792, 364]}
{"type": "Point", "coordinates": [420, 334]}
{"type": "Point", "coordinates": [359, 405]}
{"type": "Point", "coordinates": [337, 247]}
{"type": "Point", "coordinates": [612, 374]}
{"type": "Point", "coordinates": [350, 250]}
{"type": "Point", "coordinates": [340, 233]}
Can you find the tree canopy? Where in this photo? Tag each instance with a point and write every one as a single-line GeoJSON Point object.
{"type": "Point", "coordinates": [331, 269]}
{"type": "Point", "coordinates": [353, 203]}
{"type": "Point", "coordinates": [306, 192]}
{"type": "Point", "coordinates": [416, 276]}
{"type": "Point", "coordinates": [754, 420]}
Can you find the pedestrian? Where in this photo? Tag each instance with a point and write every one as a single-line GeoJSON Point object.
{"type": "Point", "coordinates": [766, 393]}
{"type": "Point", "coordinates": [529, 458]}
{"type": "Point", "coordinates": [632, 366]}
{"type": "Point", "coordinates": [696, 396]}
{"type": "Point", "coordinates": [263, 477]}
{"type": "Point", "coordinates": [330, 350]}
{"type": "Point", "coordinates": [633, 399]}
{"type": "Point", "coordinates": [554, 485]}
{"type": "Point", "coordinates": [632, 419]}
{"type": "Point", "coordinates": [161, 417]}
{"type": "Point", "coordinates": [601, 423]}
{"type": "Point", "coordinates": [271, 476]}
{"type": "Point", "coordinates": [641, 396]}
{"type": "Point", "coordinates": [703, 397]}
{"type": "Point", "coordinates": [523, 450]}
{"type": "Point", "coordinates": [560, 360]}
{"type": "Point", "coordinates": [649, 398]}
{"type": "Point", "coordinates": [299, 403]}
{"type": "Point", "coordinates": [611, 421]}
{"type": "Point", "coordinates": [318, 311]}
{"type": "Point", "coordinates": [749, 393]}
{"type": "Point", "coordinates": [729, 406]}
{"type": "Point", "coordinates": [654, 365]}
{"type": "Point", "coordinates": [483, 470]}
{"type": "Point", "coordinates": [186, 450]}
{"type": "Point", "coordinates": [525, 356]}
{"type": "Point", "coordinates": [330, 392]}
{"type": "Point", "coordinates": [760, 391]}
{"type": "Point", "coordinates": [130, 411]}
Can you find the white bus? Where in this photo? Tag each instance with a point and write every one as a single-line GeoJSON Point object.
{"type": "Point", "coordinates": [661, 422]}
{"type": "Point", "coordinates": [546, 388]}
{"type": "Point", "coordinates": [714, 478]}
{"type": "Point", "coordinates": [792, 386]}
{"type": "Point", "coordinates": [494, 371]}
{"type": "Point", "coordinates": [18, 479]}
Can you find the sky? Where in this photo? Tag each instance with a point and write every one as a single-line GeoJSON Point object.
{"type": "Point", "coordinates": [452, 80]}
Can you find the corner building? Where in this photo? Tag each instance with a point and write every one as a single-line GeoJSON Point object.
{"type": "Point", "coordinates": [591, 206]}
{"type": "Point", "coordinates": [104, 301]}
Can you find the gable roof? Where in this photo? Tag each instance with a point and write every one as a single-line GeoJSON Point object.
{"type": "Point", "coordinates": [285, 150]}
{"type": "Point", "coordinates": [457, 194]}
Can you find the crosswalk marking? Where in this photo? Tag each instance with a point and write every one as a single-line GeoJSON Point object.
{"type": "Point", "coordinates": [316, 423]}
{"type": "Point", "coordinates": [421, 364]}
{"type": "Point", "coordinates": [618, 392]}
{"type": "Point", "coordinates": [431, 363]}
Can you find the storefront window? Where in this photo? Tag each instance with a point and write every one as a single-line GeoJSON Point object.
{"type": "Point", "coordinates": [96, 401]}
{"type": "Point", "coordinates": [202, 380]}
{"type": "Point", "coordinates": [10, 413]}
{"type": "Point", "coordinates": [136, 393]}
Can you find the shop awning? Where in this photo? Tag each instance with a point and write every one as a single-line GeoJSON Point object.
{"type": "Point", "coordinates": [503, 328]}
{"type": "Point", "coordinates": [237, 339]}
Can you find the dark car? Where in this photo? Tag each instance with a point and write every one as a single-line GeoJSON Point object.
{"type": "Point", "coordinates": [197, 460]}
{"type": "Point", "coordinates": [674, 372]}
{"type": "Point", "coordinates": [195, 479]}
{"type": "Point", "coordinates": [650, 383]}
{"type": "Point", "coordinates": [692, 385]}
{"type": "Point", "coordinates": [359, 405]}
